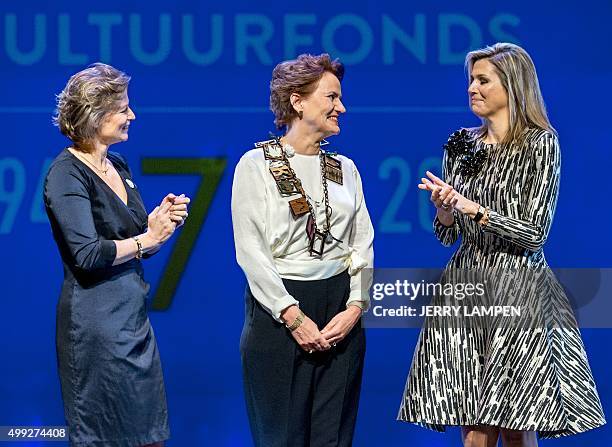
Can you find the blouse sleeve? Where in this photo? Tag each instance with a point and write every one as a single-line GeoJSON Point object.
{"type": "Point", "coordinates": [447, 235]}
{"type": "Point", "coordinates": [252, 248]}
{"type": "Point", "coordinates": [539, 199]}
{"type": "Point", "coordinates": [68, 204]}
{"type": "Point", "coordinates": [361, 248]}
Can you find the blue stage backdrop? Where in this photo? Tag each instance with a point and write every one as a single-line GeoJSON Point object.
{"type": "Point", "coordinates": [200, 75]}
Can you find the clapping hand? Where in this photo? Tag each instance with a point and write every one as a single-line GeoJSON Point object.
{"type": "Point", "coordinates": [160, 226]}
{"type": "Point", "coordinates": [178, 208]}
{"type": "Point", "coordinates": [444, 196]}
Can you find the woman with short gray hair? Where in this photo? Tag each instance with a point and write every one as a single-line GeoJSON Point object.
{"type": "Point", "coordinates": [108, 362]}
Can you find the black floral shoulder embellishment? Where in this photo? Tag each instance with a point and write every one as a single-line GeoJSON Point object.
{"type": "Point", "coordinates": [471, 160]}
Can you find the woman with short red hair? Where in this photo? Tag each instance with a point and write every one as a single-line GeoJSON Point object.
{"type": "Point", "coordinates": [303, 235]}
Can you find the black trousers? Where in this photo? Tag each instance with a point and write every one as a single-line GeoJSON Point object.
{"type": "Point", "coordinates": [296, 399]}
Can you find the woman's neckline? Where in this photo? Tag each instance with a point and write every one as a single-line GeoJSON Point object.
{"type": "Point", "coordinates": [484, 143]}
{"type": "Point", "coordinates": [307, 155]}
{"type": "Point", "coordinates": [100, 179]}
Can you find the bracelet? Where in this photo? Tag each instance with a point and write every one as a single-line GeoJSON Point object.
{"type": "Point", "coordinates": [485, 218]}
{"type": "Point", "coordinates": [139, 248]}
{"type": "Point", "coordinates": [297, 322]}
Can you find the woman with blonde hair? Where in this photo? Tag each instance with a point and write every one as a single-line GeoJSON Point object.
{"type": "Point", "coordinates": [498, 192]}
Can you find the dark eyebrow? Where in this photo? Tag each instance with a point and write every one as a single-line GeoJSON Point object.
{"type": "Point", "coordinates": [332, 92]}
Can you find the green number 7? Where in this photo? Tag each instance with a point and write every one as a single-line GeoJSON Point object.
{"type": "Point", "coordinates": [211, 170]}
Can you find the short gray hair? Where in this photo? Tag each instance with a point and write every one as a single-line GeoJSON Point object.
{"type": "Point", "coordinates": [87, 98]}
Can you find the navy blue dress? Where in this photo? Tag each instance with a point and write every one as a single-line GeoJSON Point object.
{"type": "Point", "coordinates": [109, 366]}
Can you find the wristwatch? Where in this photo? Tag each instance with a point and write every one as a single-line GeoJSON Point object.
{"type": "Point", "coordinates": [479, 214]}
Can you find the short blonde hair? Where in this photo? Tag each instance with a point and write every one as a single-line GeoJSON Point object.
{"type": "Point", "coordinates": [518, 75]}
{"type": "Point", "coordinates": [87, 98]}
{"type": "Point", "coordinates": [298, 76]}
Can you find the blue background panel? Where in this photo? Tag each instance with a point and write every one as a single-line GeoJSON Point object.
{"type": "Point", "coordinates": [200, 90]}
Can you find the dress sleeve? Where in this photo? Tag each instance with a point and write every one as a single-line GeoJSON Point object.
{"type": "Point", "coordinates": [447, 235]}
{"type": "Point", "coordinates": [252, 247]}
{"type": "Point", "coordinates": [539, 199]}
{"type": "Point", "coordinates": [68, 204]}
{"type": "Point", "coordinates": [361, 242]}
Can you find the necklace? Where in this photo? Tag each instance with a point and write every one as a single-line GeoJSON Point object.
{"type": "Point", "coordinates": [317, 203]}
{"type": "Point", "coordinates": [317, 237]}
{"type": "Point", "coordinates": [103, 171]}
{"type": "Point", "coordinates": [289, 184]}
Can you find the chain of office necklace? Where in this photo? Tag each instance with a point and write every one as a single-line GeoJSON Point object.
{"type": "Point", "coordinates": [328, 210]}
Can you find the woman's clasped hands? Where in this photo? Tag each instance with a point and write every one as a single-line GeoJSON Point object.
{"type": "Point", "coordinates": [168, 216]}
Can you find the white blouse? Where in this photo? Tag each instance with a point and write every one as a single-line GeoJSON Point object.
{"type": "Point", "coordinates": [271, 244]}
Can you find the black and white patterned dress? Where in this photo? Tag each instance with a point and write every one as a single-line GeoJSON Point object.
{"type": "Point", "coordinates": [534, 378]}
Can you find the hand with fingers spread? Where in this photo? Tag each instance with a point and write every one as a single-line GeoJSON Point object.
{"type": "Point", "coordinates": [446, 199]}
{"type": "Point", "coordinates": [306, 334]}
{"type": "Point", "coordinates": [178, 208]}
{"type": "Point", "coordinates": [340, 326]}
